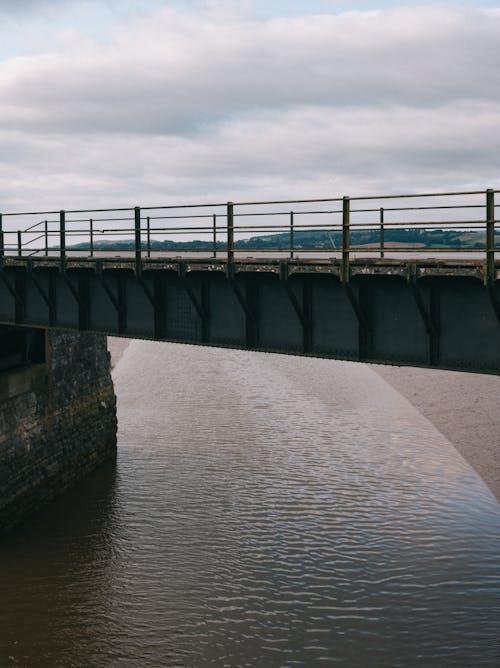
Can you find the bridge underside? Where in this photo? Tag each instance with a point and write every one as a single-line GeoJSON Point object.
{"type": "Point", "coordinates": [432, 313]}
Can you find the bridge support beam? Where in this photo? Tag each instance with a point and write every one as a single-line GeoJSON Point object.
{"type": "Point", "coordinates": [58, 415]}
{"type": "Point", "coordinates": [428, 313]}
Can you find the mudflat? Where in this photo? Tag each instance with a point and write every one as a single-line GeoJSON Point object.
{"type": "Point", "coordinates": [117, 346]}
{"type": "Point", "coordinates": [464, 407]}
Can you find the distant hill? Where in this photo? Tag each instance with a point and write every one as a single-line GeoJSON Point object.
{"type": "Point", "coordinates": [422, 238]}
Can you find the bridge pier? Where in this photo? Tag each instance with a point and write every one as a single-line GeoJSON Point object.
{"type": "Point", "coordinates": [57, 415]}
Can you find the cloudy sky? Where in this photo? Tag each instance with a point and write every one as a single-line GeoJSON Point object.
{"type": "Point", "coordinates": [123, 102]}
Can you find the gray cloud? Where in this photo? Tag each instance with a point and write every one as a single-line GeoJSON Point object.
{"type": "Point", "coordinates": [175, 73]}
{"type": "Point", "coordinates": [180, 106]}
{"type": "Point", "coordinates": [9, 7]}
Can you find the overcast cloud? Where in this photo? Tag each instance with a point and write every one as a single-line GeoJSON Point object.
{"type": "Point", "coordinates": [217, 103]}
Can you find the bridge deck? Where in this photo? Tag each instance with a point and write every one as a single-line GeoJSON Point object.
{"type": "Point", "coordinates": [430, 312]}
{"type": "Point", "coordinates": [424, 266]}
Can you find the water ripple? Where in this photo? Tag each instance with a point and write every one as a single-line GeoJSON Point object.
{"type": "Point", "coordinates": [267, 511]}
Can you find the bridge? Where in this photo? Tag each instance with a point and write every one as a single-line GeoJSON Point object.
{"type": "Point", "coordinates": [351, 278]}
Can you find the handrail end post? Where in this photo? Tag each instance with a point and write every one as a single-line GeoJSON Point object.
{"type": "Point", "coordinates": [489, 277]}
{"type": "Point", "coordinates": [230, 232]}
{"type": "Point", "coordinates": [382, 233]}
{"type": "Point", "coordinates": [62, 239]}
{"type": "Point", "coordinates": [138, 249]}
{"type": "Point", "coordinates": [346, 215]}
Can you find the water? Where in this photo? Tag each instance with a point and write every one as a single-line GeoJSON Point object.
{"type": "Point", "coordinates": [265, 511]}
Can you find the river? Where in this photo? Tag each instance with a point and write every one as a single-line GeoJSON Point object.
{"type": "Point", "coordinates": [264, 511]}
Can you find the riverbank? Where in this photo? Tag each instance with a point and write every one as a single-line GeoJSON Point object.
{"type": "Point", "coordinates": [464, 407]}
{"type": "Point", "coordinates": [117, 347]}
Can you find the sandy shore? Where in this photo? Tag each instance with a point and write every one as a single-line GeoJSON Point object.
{"type": "Point", "coordinates": [116, 347]}
{"type": "Point", "coordinates": [464, 407]}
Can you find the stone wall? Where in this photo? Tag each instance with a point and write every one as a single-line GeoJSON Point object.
{"type": "Point", "coordinates": [57, 423]}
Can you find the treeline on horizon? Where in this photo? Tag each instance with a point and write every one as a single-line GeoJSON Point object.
{"type": "Point", "coordinates": [320, 240]}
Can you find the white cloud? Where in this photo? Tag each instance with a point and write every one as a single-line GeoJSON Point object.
{"type": "Point", "coordinates": [190, 105]}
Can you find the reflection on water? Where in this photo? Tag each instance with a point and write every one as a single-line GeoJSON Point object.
{"type": "Point", "coordinates": [265, 511]}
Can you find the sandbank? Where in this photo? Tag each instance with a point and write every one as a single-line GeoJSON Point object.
{"type": "Point", "coordinates": [464, 407]}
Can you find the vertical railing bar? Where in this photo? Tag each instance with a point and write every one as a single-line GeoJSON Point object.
{"type": "Point", "coordinates": [230, 232]}
{"type": "Point", "coordinates": [62, 236]}
{"type": "Point", "coordinates": [382, 232]}
{"type": "Point", "coordinates": [345, 238]}
{"type": "Point", "coordinates": [292, 236]}
{"type": "Point", "coordinates": [2, 253]}
{"type": "Point", "coordinates": [46, 236]}
{"type": "Point", "coordinates": [490, 237]}
{"type": "Point", "coordinates": [137, 227]}
{"type": "Point", "coordinates": [19, 243]}
{"type": "Point", "coordinates": [148, 232]}
{"type": "Point", "coordinates": [214, 235]}
{"type": "Point", "coordinates": [91, 229]}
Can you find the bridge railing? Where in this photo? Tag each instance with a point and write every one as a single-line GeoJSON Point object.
{"type": "Point", "coordinates": [447, 225]}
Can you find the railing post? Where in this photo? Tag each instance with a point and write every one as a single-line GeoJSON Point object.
{"type": "Point", "coordinates": [62, 236]}
{"type": "Point", "coordinates": [214, 235]}
{"type": "Point", "coordinates": [230, 232]}
{"type": "Point", "coordinates": [292, 236]}
{"type": "Point", "coordinates": [46, 235]}
{"type": "Point", "coordinates": [346, 214]}
{"type": "Point", "coordinates": [91, 249]}
{"type": "Point", "coordinates": [148, 231]}
{"type": "Point", "coordinates": [19, 243]}
{"type": "Point", "coordinates": [137, 224]}
{"type": "Point", "coordinates": [382, 232]}
{"type": "Point", "coordinates": [2, 252]}
{"type": "Point", "coordinates": [490, 237]}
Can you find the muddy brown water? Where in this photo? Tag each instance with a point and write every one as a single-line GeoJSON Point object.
{"type": "Point", "coordinates": [264, 511]}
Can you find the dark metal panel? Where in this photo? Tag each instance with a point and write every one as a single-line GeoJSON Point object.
{"type": "Point", "coordinates": [228, 318]}
{"type": "Point", "coordinates": [161, 306]}
{"type": "Point", "coordinates": [20, 295]}
{"type": "Point", "coordinates": [299, 290]}
{"type": "Point", "coordinates": [66, 305]}
{"type": "Point", "coordinates": [83, 279]}
{"type": "Point", "coordinates": [140, 311]}
{"type": "Point", "coordinates": [196, 286]}
{"type": "Point", "coordinates": [37, 297]}
{"type": "Point", "coordinates": [103, 305]}
{"type": "Point", "coordinates": [252, 314]}
{"type": "Point", "coordinates": [470, 335]}
{"type": "Point", "coordinates": [183, 322]}
{"type": "Point", "coordinates": [279, 325]}
{"type": "Point", "coordinates": [435, 322]}
{"type": "Point", "coordinates": [494, 295]}
{"type": "Point", "coordinates": [52, 284]}
{"type": "Point", "coordinates": [359, 296]}
{"type": "Point", "coordinates": [7, 299]}
{"type": "Point", "coordinates": [335, 325]}
{"type": "Point", "coordinates": [397, 331]}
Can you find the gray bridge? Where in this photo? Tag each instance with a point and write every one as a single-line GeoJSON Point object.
{"type": "Point", "coordinates": [346, 278]}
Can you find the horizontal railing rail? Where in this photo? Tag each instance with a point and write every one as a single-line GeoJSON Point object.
{"type": "Point", "coordinates": [452, 224]}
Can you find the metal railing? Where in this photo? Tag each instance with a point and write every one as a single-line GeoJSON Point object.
{"type": "Point", "coordinates": [458, 224]}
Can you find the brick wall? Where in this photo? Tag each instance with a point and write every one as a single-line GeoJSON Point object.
{"type": "Point", "coordinates": [57, 423]}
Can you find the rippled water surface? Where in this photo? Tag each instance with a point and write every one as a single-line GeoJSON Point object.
{"type": "Point", "coordinates": [264, 511]}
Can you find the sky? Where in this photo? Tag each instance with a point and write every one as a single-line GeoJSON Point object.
{"type": "Point", "coordinates": [128, 102]}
